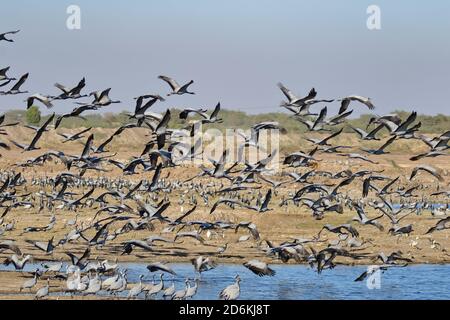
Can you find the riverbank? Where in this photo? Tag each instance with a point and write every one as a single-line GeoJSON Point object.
{"type": "Point", "coordinates": [278, 225]}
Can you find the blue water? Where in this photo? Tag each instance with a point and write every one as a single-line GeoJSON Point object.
{"type": "Point", "coordinates": [302, 282]}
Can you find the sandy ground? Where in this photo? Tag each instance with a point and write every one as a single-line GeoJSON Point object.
{"type": "Point", "coordinates": [278, 225]}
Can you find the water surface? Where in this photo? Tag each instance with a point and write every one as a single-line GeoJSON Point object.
{"type": "Point", "coordinates": [301, 282]}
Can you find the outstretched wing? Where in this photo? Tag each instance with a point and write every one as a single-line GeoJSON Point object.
{"type": "Point", "coordinates": [19, 83]}
{"type": "Point", "coordinates": [41, 131]}
{"type": "Point", "coordinates": [87, 147]}
{"type": "Point", "coordinates": [172, 83]}
{"type": "Point", "coordinates": [288, 93]}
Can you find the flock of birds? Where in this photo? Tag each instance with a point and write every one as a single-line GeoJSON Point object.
{"type": "Point", "coordinates": [137, 206]}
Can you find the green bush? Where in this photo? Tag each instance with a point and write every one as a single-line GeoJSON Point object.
{"type": "Point", "coordinates": [33, 115]}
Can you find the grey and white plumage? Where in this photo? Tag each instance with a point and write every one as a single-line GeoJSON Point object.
{"type": "Point", "coordinates": [4, 34]}
{"type": "Point", "coordinates": [345, 102]}
{"type": "Point", "coordinates": [259, 268]}
{"type": "Point", "coordinates": [44, 291]}
{"type": "Point", "coordinates": [176, 88]}
{"type": "Point", "coordinates": [159, 266]}
{"type": "Point", "coordinates": [232, 291]}
{"type": "Point", "coordinates": [427, 168]}
{"type": "Point", "coordinates": [440, 225]}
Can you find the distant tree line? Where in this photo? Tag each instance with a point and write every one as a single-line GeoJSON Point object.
{"type": "Point", "coordinates": [231, 119]}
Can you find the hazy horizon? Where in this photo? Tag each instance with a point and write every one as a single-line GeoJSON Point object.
{"type": "Point", "coordinates": [236, 52]}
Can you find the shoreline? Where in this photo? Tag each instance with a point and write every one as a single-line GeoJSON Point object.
{"type": "Point", "coordinates": [279, 225]}
{"type": "Point", "coordinates": [11, 291]}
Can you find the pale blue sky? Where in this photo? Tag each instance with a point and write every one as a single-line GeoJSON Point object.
{"type": "Point", "coordinates": [235, 51]}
